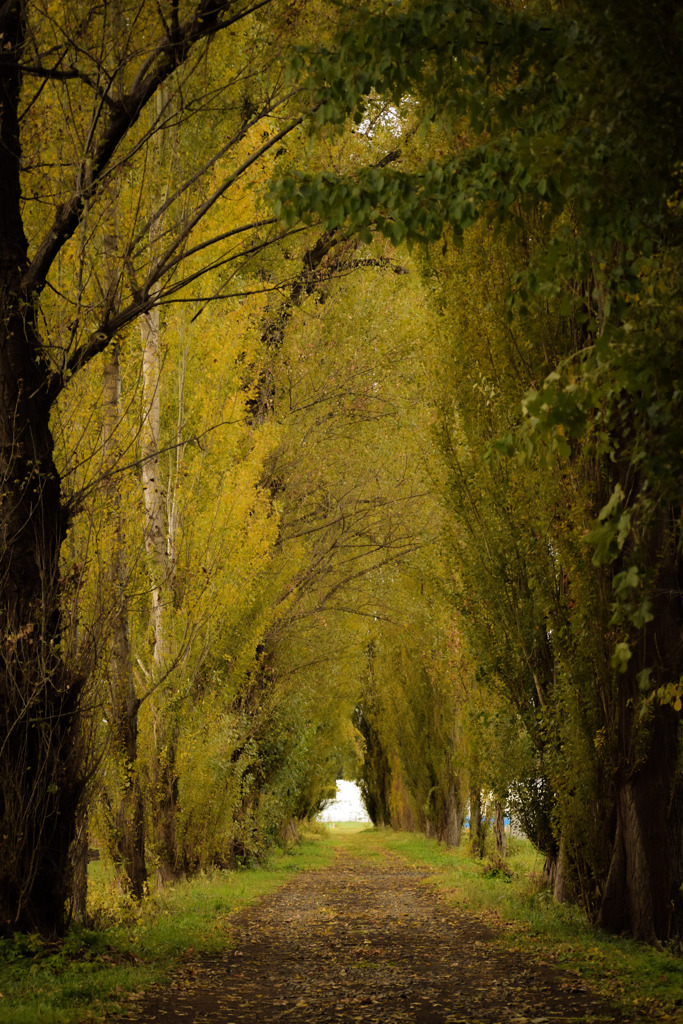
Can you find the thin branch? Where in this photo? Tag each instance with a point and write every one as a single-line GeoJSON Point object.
{"type": "Point", "coordinates": [136, 463]}
{"type": "Point", "coordinates": [54, 73]}
{"type": "Point", "coordinates": [165, 263]}
{"type": "Point", "coordinates": [168, 55]}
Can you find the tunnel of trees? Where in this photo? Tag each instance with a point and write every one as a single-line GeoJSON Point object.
{"type": "Point", "coordinates": [341, 429]}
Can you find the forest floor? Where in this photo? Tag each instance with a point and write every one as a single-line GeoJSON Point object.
{"type": "Point", "coordinates": [368, 938]}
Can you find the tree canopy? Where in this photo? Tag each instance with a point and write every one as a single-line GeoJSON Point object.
{"type": "Point", "coordinates": [341, 433]}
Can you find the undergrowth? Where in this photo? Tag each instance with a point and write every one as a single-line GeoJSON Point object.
{"type": "Point", "coordinates": [97, 971]}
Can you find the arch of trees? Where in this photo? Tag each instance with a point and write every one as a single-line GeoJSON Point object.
{"type": "Point", "coordinates": [320, 454]}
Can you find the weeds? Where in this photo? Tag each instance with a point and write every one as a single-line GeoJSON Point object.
{"type": "Point", "coordinates": [498, 867]}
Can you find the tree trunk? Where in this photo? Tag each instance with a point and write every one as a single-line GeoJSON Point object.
{"type": "Point", "coordinates": [499, 828]}
{"type": "Point", "coordinates": [477, 832]}
{"type": "Point", "coordinates": [165, 820]}
{"type": "Point", "coordinates": [155, 534]}
{"type": "Point", "coordinates": [152, 487]}
{"type": "Point", "coordinates": [128, 840]}
{"type": "Point", "coordinates": [159, 565]}
{"type": "Point", "coordinates": [129, 819]}
{"type": "Point", "coordinates": [560, 874]}
{"type": "Point", "coordinates": [453, 817]}
{"type": "Point", "coordinates": [642, 894]}
{"type": "Point", "coordinates": [40, 752]}
{"type": "Point", "coordinates": [40, 759]}
{"type": "Point", "coordinates": [165, 779]}
{"type": "Point", "coordinates": [79, 859]}
{"type": "Point", "coordinates": [643, 890]}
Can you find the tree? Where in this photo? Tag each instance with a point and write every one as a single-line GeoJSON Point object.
{"type": "Point", "coordinates": [535, 128]}
{"type": "Point", "coordinates": [73, 133]}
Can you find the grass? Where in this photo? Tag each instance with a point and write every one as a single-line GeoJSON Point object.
{"type": "Point", "coordinates": [94, 972]}
{"type": "Point", "coordinates": [644, 981]}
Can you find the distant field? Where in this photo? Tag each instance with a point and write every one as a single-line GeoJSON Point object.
{"type": "Point", "coordinates": [349, 826]}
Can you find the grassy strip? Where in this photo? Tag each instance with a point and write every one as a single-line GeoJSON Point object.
{"type": "Point", "coordinates": [93, 973]}
{"type": "Point", "coordinates": [645, 982]}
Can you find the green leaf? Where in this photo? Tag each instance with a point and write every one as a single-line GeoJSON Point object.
{"type": "Point", "coordinates": [621, 656]}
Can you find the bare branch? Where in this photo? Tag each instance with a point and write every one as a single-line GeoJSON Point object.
{"type": "Point", "coordinates": [69, 74]}
{"type": "Point", "coordinates": [165, 57]}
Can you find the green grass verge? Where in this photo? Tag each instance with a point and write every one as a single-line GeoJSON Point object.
{"type": "Point", "coordinates": [92, 973]}
{"type": "Point", "coordinates": [646, 982]}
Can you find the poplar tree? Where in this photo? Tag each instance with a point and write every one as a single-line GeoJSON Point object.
{"type": "Point", "coordinates": [72, 135]}
{"type": "Point", "coordinates": [572, 115]}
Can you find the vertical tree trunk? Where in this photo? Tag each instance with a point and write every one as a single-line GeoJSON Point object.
{"type": "Point", "coordinates": [560, 874]}
{"type": "Point", "coordinates": [130, 816]}
{"type": "Point", "coordinates": [155, 533]}
{"type": "Point", "coordinates": [477, 832]}
{"type": "Point", "coordinates": [499, 828]}
{"type": "Point", "coordinates": [165, 780]}
{"type": "Point", "coordinates": [40, 752]}
{"type": "Point", "coordinates": [128, 840]}
{"type": "Point", "coordinates": [642, 893]}
{"type": "Point", "coordinates": [79, 859]}
{"type": "Point", "coordinates": [40, 755]}
{"type": "Point", "coordinates": [129, 833]}
{"type": "Point", "coordinates": [152, 485]}
{"type": "Point", "coordinates": [454, 814]}
{"type": "Point", "coordinates": [643, 890]}
{"type": "Point", "coordinates": [157, 542]}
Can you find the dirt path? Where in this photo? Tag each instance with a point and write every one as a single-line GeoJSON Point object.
{"type": "Point", "coordinates": [364, 940]}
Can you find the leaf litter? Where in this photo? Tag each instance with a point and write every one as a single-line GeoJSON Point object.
{"type": "Point", "coordinates": [367, 940]}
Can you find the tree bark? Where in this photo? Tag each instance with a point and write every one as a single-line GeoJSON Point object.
{"type": "Point", "coordinates": [642, 893]}
{"type": "Point", "coordinates": [499, 828]}
{"type": "Point", "coordinates": [158, 564]}
{"type": "Point", "coordinates": [152, 486]}
{"type": "Point", "coordinates": [165, 819]}
{"type": "Point", "coordinates": [128, 838]}
{"type": "Point", "coordinates": [158, 543]}
{"type": "Point", "coordinates": [453, 816]}
{"type": "Point", "coordinates": [40, 752]}
{"type": "Point", "coordinates": [477, 834]}
{"type": "Point", "coordinates": [40, 760]}
{"type": "Point", "coordinates": [79, 859]}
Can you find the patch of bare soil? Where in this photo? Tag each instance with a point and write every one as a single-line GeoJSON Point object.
{"type": "Point", "coordinates": [366, 941]}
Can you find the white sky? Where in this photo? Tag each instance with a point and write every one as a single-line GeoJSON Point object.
{"type": "Point", "coordinates": [348, 805]}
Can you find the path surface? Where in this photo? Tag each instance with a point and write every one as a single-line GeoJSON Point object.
{"type": "Point", "coordinates": [366, 941]}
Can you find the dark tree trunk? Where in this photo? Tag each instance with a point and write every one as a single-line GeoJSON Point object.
{"type": "Point", "coordinates": [642, 893]}
{"type": "Point", "coordinates": [130, 816]}
{"type": "Point", "coordinates": [39, 744]}
{"type": "Point", "coordinates": [129, 819]}
{"type": "Point", "coordinates": [79, 859]}
{"type": "Point", "coordinates": [165, 813]}
{"type": "Point", "coordinates": [40, 764]}
{"type": "Point", "coordinates": [128, 840]}
{"type": "Point", "coordinates": [499, 828]}
{"type": "Point", "coordinates": [477, 831]}
{"type": "Point", "coordinates": [453, 815]}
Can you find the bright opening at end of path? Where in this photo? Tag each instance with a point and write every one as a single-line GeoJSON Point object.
{"type": "Point", "coordinates": [347, 805]}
